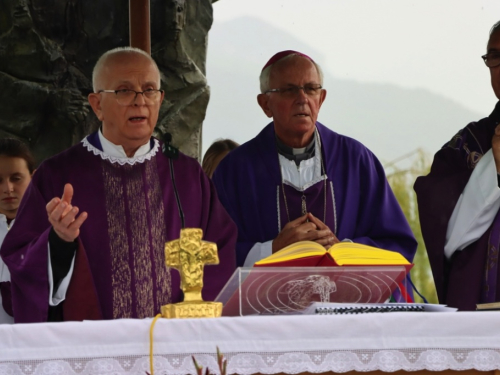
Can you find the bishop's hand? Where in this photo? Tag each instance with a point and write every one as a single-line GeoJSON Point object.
{"type": "Point", "coordinates": [304, 228]}
{"type": "Point", "coordinates": [63, 216]}
{"type": "Point", "coordinates": [329, 238]}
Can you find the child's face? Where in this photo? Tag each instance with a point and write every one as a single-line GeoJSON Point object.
{"type": "Point", "coordinates": [14, 179]}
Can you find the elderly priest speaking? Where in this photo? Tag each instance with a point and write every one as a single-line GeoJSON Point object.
{"type": "Point", "coordinates": [97, 252]}
{"type": "Point", "coordinates": [298, 180]}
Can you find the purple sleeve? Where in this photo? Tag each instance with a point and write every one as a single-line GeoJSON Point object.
{"type": "Point", "coordinates": [243, 246]}
{"type": "Point", "coordinates": [381, 222]}
{"type": "Point", "coordinates": [219, 228]}
{"type": "Point", "coordinates": [25, 251]}
{"type": "Point", "coordinates": [437, 195]}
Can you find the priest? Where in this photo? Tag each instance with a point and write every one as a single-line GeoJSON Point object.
{"type": "Point", "coordinates": [459, 202]}
{"type": "Point", "coordinates": [90, 233]}
{"type": "Point", "coordinates": [298, 180]}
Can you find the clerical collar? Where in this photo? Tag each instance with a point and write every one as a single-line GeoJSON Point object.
{"type": "Point", "coordinates": [100, 146]}
{"type": "Point", "coordinates": [296, 154]}
{"type": "Point", "coordinates": [117, 151]}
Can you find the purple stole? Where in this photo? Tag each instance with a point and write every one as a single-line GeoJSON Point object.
{"type": "Point", "coordinates": [489, 285]}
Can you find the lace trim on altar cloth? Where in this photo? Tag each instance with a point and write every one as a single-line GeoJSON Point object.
{"type": "Point", "coordinates": [437, 359]}
{"type": "Point", "coordinates": [122, 161]}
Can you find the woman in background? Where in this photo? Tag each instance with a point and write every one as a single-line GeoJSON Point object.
{"type": "Point", "coordinates": [16, 168]}
{"type": "Point", "coordinates": [216, 153]}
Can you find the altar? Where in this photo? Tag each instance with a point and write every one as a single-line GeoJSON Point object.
{"type": "Point", "coordinates": [384, 342]}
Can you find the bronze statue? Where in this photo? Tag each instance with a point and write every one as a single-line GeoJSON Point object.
{"type": "Point", "coordinates": [180, 55]}
{"type": "Point", "coordinates": [41, 100]}
{"type": "Point", "coordinates": [48, 49]}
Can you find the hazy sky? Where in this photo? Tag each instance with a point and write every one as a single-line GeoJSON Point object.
{"type": "Point", "coordinates": [431, 44]}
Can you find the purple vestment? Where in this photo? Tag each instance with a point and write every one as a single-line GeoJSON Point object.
{"type": "Point", "coordinates": [248, 181]}
{"type": "Point", "coordinates": [120, 267]}
{"type": "Point", "coordinates": [461, 281]}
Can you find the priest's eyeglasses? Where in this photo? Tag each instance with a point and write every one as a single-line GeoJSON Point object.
{"type": "Point", "coordinates": [293, 91]}
{"type": "Point", "coordinates": [491, 59]}
{"type": "Point", "coordinates": [128, 96]}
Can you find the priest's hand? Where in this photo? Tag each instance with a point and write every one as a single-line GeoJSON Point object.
{"type": "Point", "coordinates": [63, 216]}
{"type": "Point", "coordinates": [495, 147]}
{"type": "Point", "coordinates": [304, 228]}
{"type": "Point", "coordinates": [330, 238]}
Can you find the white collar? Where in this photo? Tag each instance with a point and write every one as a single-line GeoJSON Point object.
{"type": "Point", "coordinates": [3, 222]}
{"type": "Point", "coordinates": [297, 151]}
{"type": "Point", "coordinates": [116, 154]}
{"type": "Point", "coordinates": [117, 151]}
{"type": "Point", "coordinates": [309, 171]}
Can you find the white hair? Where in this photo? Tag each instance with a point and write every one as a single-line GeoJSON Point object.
{"type": "Point", "coordinates": [266, 73]}
{"type": "Point", "coordinates": [117, 51]}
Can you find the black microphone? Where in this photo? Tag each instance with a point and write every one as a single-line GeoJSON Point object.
{"type": "Point", "coordinates": [172, 153]}
{"type": "Point", "coordinates": [168, 150]}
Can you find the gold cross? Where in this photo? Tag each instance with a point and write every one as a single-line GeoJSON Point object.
{"type": "Point", "coordinates": [188, 255]}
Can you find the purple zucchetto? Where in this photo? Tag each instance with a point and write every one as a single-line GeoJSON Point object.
{"type": "Point", "coordinates": [277, 57]}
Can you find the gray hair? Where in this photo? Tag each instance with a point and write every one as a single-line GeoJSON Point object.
{"type": "Point", "coordinates": [117, 51]}
{"type": "Point", "coordinates": [266, 73]}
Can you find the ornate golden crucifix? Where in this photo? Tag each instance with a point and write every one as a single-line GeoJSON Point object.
{"type": "Point", "coordinates": [188, 255]}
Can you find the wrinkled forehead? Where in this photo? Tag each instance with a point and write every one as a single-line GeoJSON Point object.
{"type": "Point", "coordinates": [126, 59]}
{"type": "Point", "coordinates": [293, 68]}
{"type": "Point", "coordinates": [128, 66]}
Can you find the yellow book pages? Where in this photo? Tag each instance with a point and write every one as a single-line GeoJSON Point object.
{"type": "Point", "coordinates": [301, 249]}
{"type": "Point", "coordinates": [359, 254]}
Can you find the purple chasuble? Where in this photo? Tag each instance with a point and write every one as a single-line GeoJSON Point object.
{"type": "Point", "coordinates": [471, 275]}
{"type": "Point", "coordinates": [248, 181]}
{"type": "Point", "coordinates": [132, 212]}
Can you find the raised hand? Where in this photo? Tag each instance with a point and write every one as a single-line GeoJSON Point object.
{"type": "Point", "coordinates": [63, 216]}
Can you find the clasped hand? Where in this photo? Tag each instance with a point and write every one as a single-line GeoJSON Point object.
{"type": "Point", "coordinates": [63, 216]}
{"type": "Point", "coordinates": [305, 228]}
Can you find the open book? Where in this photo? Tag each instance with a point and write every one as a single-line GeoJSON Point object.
{"type": "Point", "coordinates": [312, 254]}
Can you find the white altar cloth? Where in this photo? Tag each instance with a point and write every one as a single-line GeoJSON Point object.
{"type": "Point", "coordinates": [262, 344]}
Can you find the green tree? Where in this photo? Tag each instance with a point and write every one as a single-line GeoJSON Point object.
{"type": "Point", "coordinates": [401, 179]}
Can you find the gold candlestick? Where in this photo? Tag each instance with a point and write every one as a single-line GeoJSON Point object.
{"type": "Point", "coordinates": [188, 255]}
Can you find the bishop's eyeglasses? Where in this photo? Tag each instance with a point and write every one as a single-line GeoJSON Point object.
{"type": "Point", "coordinates": [128, 96]}
{"type": "Point", "coordinates": [491, 59]}
{"type": "Point", "coordinates": [293, 91]}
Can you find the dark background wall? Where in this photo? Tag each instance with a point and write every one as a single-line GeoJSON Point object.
{"type": "Point", "coordinates": [47, 52]}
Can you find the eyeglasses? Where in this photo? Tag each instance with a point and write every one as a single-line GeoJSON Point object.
{"type": "Point", "coordinates": [491, 59]}
{"type": "Point", "coordinates": [293, 91]}
{"type": "Point", "coordinates": [127, 96]}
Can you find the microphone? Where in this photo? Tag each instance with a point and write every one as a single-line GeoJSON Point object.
{"type": "Point", "coordinates": [172, 153]}
{"type": "Point", "coordinates": [168, 150]}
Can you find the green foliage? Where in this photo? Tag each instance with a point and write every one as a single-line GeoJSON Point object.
{"type": "Point", "coordinates": [221, 362]}
{"type": "Point", "coordinates": [401, 180]}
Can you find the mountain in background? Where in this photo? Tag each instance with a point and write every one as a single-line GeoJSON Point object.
{"type": "Point", "coordinates": [390, 120]}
